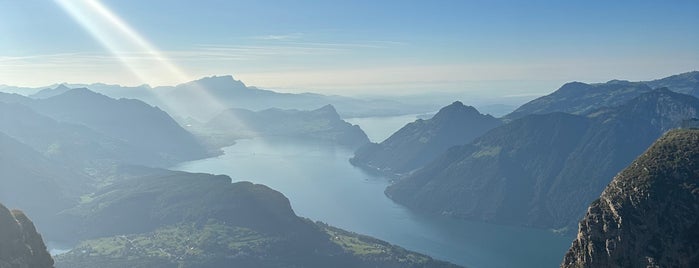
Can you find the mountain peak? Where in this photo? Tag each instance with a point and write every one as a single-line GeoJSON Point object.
{"type": "Point", "coordinates": [327, 108]}
{"type": "Point", "coordinates": [216, 81]}
{"type": "Point", "coordinates": [50, 92]}
{"type": "Point", "coordinates": [82, 91]}
{"type": "Point", "coordinates": [456, 109]}
{"type": "Point", "coordinates": [62, 87]}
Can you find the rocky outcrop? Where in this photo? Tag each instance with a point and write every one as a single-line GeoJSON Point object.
{"type": "Point", "coordinates": [648, 216]}
{"type": "Point", "coordinates": [20, 244]}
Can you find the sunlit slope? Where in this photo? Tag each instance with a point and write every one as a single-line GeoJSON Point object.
{"type": "Point", "coordinates": [647, 216]}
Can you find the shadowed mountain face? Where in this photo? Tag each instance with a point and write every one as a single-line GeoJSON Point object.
{"type": "Point", "coordinates": [157, 218]}
{"type": "Point", "coordinates": [321, 125]}
{"type": "Point", "coordinates": [132, 121]}
{"type": "Point", "coordinates": [528, 172]}
{"type": "Point", "coordinates": [421, 141]}
{"type": "Point", "coordinates": [83, 126]}
{"type": "Point", "coordinates": [648, 215]}
{"type": "Point", "coordinates": [580, 98]}
{"type": "Point", "coordinates": [25, 173]}
{"type": "Point", "coordinates": [20, 244]}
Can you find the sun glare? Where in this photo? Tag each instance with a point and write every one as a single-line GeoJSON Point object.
{"type": "Point", "coordinates": [139, 56]}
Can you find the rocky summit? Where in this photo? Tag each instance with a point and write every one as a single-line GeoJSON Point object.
{"type": "Point", "coordinates": [20, 244]}
{"type": "Point", "coordinates": [648, 216]}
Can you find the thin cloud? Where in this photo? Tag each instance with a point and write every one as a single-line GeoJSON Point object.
{"type": "Point", "coordinates": [278, 37]}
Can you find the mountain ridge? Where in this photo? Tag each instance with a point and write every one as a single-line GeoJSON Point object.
{"type": "Point", "coordinates": [418, 142]}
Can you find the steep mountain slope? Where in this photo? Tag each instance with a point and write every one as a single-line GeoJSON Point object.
{"type": "Point", "coordinates": [20, 244]}
{"type": "Point", "coordinates": [132, 121]}
{"type": "Point", "coordinates": [171, 218]}
{"type": "Point", "coordinates": [528, 172]}
{"type": "Point", "coordinates": [421, 141]}
{"type": "Point", "coordinates": [30, 181]}
{"type": "Point", "coordinates": [648, 216]}
{"type": "Point", "coordinates": [74, 145]}
{"type": "Point", "coordinates": [323, 124]}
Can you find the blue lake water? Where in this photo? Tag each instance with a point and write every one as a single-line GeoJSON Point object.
{"type": "Point", "coordinates": [380, 128]}
{"type": "Point", "coordinates": [323, 186]}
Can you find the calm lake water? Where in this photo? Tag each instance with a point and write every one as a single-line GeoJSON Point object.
{"type": "Point", "coordinates": [323, 186]}
{"type": "Point", "coordinates": [380, 128]}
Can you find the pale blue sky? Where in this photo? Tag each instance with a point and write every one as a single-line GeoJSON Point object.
{"type": "Point", "coordinates": [349, 47]}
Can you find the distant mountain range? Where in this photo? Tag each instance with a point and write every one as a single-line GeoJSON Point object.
{"type": "Point", "coordinates": [320, 125]}
{"type": "Point", "coordinates": [421, 141]}
{"type": "Point", "coordinates": [648, 215]}
{"type": "Point", "coordinates": [63, 157]}
{"type": "Point", "coordinates": [78, 154]}
{"type": "Point", "coordinates": [201, 100]}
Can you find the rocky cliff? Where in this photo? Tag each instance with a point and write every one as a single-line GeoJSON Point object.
{"type": "Point", "coordinates": [20, 244]}
{"type": "Point", "coordinates": [648, 216]}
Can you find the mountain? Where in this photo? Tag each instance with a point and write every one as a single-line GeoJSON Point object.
{"type": "Point", "coordinates": [202, 99]}
{"type": "Point", "coordinates": [21, 245]}
{"type": "Point", "coordinates": [648, 216]}
{"type": "Point", "coordinates": [528, 172]}
{"type": "Point", "coordinates": [124, 130]}
{"type": "Point", "coordinates": [25, 173]}
{"type": "Point", "coordinates": [50, 92]}
{"type": "Point", "coordinates": [421, 141]}
{"type": "Point", "coordinates": [323, 125]}
{"type": "Point", "coordinates": [166, 218]}
{"type": "Point", "coordinates": [73, 145]}
{"type": "Point", "coordinates": [581, 98]}
{"type": "Point", "coordinates": [132, 121]}
{"type": "Point", "coordinates": [685, 83]}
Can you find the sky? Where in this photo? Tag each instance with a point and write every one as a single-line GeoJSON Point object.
{"type": "Point", "coordinates": [348, 47]}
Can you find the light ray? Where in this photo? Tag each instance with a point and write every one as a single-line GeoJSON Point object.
{"type": "Point", "coordinates": [123, 41]}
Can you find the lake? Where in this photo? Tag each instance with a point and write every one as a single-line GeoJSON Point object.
{"type": "Point", "coordinates": [323, 186]}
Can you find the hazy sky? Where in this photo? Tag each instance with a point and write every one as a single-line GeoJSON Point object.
{"type": "Point", "coordinates": [348, 47]}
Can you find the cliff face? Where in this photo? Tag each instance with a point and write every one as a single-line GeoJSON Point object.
{"type": "Point", "coordinates": [648, 216]}
{"type": "Point", "coordinates": [20, 244]}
